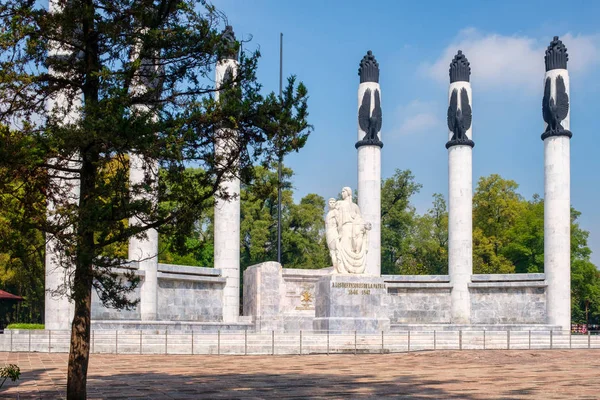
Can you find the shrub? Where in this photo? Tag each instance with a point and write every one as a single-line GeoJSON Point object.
{"type": "Point", "coordinates": [25, 326]}
{"type": "Point", "coordinates": [11, 371]}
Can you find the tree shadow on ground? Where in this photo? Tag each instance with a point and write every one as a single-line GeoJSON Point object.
{"type": "Point", "coordinates": [195, 385]}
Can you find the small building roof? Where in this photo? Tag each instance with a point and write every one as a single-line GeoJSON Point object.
{"type": "Point", "coordinates": [9, 296]}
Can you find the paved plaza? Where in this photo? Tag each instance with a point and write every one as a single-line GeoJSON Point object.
{"type": "Point", "coordinates": [515, 374]}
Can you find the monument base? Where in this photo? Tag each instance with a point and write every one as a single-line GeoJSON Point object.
{"type": "Point", "coordinates": [348, 303]}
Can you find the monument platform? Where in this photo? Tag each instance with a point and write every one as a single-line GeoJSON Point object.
{"type": "Point", "coordinates": [346, 303]}
{"type": "Point", "coordinates": [242, 324]}
{"type": "Point", "coordinates": [474, 327]}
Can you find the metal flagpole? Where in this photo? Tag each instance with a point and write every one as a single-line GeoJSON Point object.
{"type": "Point", "coordinates": [280, 156]}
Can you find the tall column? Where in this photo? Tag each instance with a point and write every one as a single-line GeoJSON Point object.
{"type": "Point", "coordinates": [58, 310]}
{"type": "Point", "coordinates": [460, 188]}
{"type": "Point", "coordinates": [557, 185]}
{"type": "Point", "coordinates": [227, 207]}
{"type": "Point", "coordinates": [59, 266]}
{"type": "Point", "coordinates": [144, 249]}
{"type": "Point", "coordinates": [369, 157]}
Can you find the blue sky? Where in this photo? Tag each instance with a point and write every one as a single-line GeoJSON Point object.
{"type": "Point", "coordinates": [414, 43]}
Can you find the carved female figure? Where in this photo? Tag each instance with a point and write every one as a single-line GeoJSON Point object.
{"type": "Point", "coordinates": [351, 245]}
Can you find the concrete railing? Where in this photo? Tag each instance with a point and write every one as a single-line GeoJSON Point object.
{"type": "Point", "coordinates": [309, 342]}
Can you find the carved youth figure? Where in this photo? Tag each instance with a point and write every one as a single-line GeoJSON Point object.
{"type": "Point", "coordinates": [332, 235]}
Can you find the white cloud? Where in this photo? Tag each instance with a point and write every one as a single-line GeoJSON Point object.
{"type": "Point", "coordinates": [499, 61]}
{"type": "Point", "coordinates": [416, 117]}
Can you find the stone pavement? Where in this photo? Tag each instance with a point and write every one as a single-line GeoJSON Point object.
{"type": "Point", "coordinates": [514, 374]}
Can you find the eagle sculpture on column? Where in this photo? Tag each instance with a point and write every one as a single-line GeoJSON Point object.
{"type": "Point", "coordinates": [370, 122]}
{"type": "Point", "coordinates": [459, 119]}
{"type": "Point", "coordinates": [555, 110]}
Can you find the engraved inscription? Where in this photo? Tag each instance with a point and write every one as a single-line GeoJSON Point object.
{"type": "Point", "coordinates": [357, 285]}
{"type": "Point", "coordinates": [358, 288]}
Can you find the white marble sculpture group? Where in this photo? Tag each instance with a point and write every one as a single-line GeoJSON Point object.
{"type": "Point", "coordinates": [347, 235]}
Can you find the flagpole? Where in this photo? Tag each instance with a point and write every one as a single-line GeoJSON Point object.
{"type": "Point", "coordinates": [280, 156]}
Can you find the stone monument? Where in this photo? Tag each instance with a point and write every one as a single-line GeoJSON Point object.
{"type": "Point", "coordinates": [353, 298]}
{"type": "Point", "coordinates": [460, 188]}
{"type": "Point", "coordinates": [557, 185]}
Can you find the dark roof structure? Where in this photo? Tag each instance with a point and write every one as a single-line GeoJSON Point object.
{"type": "Point", "coordinates": [9, 296]}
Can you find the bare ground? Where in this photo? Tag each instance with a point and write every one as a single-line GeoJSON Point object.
{"type": "Point", "coordinates": [493, 374]}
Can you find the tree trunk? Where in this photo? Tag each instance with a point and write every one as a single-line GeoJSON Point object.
{"type": "Point", "coordinates": [587, 321]}
{"type": "Point", "coordinates": [79, 352]}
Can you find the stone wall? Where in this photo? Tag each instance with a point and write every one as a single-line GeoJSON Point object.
{"type": "Point", "coordinates": [184, 294]}
{"type": "Point", "coordinates": [419, 299]}
{"type": "Point", "coordinates": [508, 299]}
{"type": "Point", "coordinates": [280, 299]}
{"type": "Point", "coordinates": [189, 293]}
{"type": "Point", "coordinates": [283, 299]}
{"type": "Point", "coordinates": [99, 312]}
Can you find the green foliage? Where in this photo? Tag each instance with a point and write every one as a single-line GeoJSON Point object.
{"type": "Point", "coordinates": [397, 221]}
{"type": "Point", "coordinates": [430, 248]}
{"type": "Point", "coordinates": [525, 247]}
{"type": "Point", "coordinates": [11, 371]}
{"type": "Point", "coordinates": [496, 208]}
{"type": "Point", "coordinates": [130, 78]}
{"type": "Point", "coordinates": [585, 291]}
{"type": "Point", "coordinates": [21, 250]}
{"type": "Point", "coordinates": [25, 326]}
{"type": "Point", "coordinates": [303, 243]}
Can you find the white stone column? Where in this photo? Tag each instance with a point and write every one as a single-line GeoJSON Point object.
{"type": "Point", "coordinates": [369, 157]}
{"type": "Point", "coordinates": [144, 250]}
{"type": "Point", "coordinates": [557, 194]}
{"type": "Point", "coordinates": [58, 310]}
{"type": "Point", "coordinates": [227, 211]}
{"type": "Point", "coordinates": [460, 190]}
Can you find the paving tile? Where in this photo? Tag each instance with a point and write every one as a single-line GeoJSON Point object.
{"type": "Point", "coordinates": [426, 375]}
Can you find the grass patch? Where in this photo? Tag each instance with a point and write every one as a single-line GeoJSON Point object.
{"type": "Point", "coordinates": [25, 326]}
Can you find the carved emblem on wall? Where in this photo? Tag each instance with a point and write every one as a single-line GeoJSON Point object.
{"type": "Point", "coordinates": [556, 109]}
{"type": "Point", "coordinates": [306, 299]}
{"type": "Point", "coordinates": [459, 119]}
{"type": "Point", "coordinates": [370, 122]}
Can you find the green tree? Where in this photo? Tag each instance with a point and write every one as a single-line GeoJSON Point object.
{"type": "Point", "coordinates": [496, 208]}
{"type": "Point", "coordinates": [585, 291]}
{"type": "Point", "coordinates": [525, 247]}
{"type": "Point", "coordinates": [258, 228]}
{"type": "Point", "coordinates": [303, 240]}
{"type": "Point", "coordinates": [21, 246]}
{"type": "Point", "coordinates": [397, 222]}
{"type": "Point", "coordinates": [430, 239]}
{"type": "Point", "coordinates": [585, 277]}
{"type": "Point", "coordinates": [303, 244]}
{"type": "Point", "coordinates": [111, 48]}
